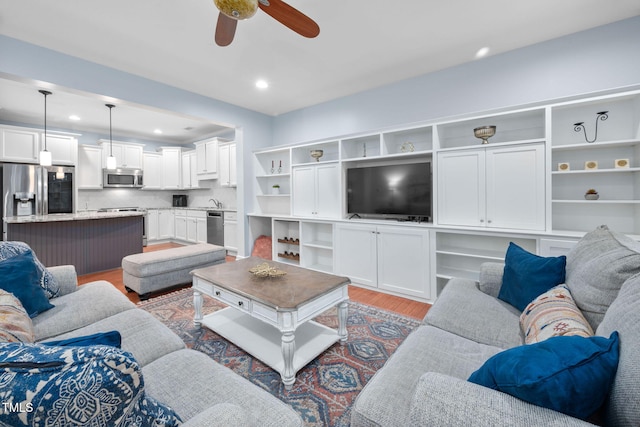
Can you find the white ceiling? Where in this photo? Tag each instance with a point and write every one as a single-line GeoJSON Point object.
{"type": "Point", "coordinates": [362, 44]}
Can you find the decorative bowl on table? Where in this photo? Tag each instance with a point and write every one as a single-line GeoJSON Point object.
{"type": "Point", "coordinates": [484, 133]}
{"type": "Point", "coordinates": [316, 154]}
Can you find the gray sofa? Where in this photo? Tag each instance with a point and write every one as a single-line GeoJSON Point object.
{"type": "Point", "coordinates": [201, 391]}
{"type": "Point", "coordinates": [424, 383]}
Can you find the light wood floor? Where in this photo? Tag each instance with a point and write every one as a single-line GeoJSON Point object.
{"type": "Point", "coordinates": [399, 305]}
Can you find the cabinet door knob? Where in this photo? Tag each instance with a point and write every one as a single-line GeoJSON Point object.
{"type": "Point", "coordinates": [240, 303]}
{"type": "Point", "coordinates": [217, 293]}
{"type": "Point", "coordinates": [482, 220]}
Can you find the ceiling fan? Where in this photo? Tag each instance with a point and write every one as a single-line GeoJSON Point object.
{"type": "Point", "coordinates": [231, 11]}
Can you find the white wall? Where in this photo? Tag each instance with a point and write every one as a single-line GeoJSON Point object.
{"type": "Point", "coordinates": [599, 59]}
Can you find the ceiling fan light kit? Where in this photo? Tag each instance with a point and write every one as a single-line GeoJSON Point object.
{"type": "Point", "coordinates": [237, 9]}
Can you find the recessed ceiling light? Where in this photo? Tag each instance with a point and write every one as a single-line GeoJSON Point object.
{"type": "Point", "coordinates": [74, 117]}
{"type": "Point", "coordinates": [262, 84]}
{"type": "Point", "coordinates": [157, 131]}
{"type": "Point", "coordinates": [482, 52]}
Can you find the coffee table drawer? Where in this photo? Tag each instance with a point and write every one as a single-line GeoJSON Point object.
{"type": "Point", "coordinates": [232, 299]}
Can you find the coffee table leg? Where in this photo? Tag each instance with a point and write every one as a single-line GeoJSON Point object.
{"type": "Point", "coordinates": [197, 306]}
{"type": "Point", "coordinates": [288, 349]}
{"type": "Point", "coordinates": [342, 321]}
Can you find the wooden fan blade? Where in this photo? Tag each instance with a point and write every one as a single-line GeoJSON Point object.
{"type": "Point", "coordinates": [290, 17]}
{"type": "Point", "coordinates": [225, 30]}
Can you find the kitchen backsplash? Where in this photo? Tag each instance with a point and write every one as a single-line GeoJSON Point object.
{"type": "Point", "coordinates": [129, 197]}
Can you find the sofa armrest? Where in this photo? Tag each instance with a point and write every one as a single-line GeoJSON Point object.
{"type": "Point", "coordinates": [491, 278]}
{"type": "Point", "coordinates": [443, 400]}
{"type": "Point", "coordinates": [66, 277]}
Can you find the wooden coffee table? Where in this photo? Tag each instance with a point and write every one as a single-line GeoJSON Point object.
{"type": "Point", "coordinates": [270, 318]}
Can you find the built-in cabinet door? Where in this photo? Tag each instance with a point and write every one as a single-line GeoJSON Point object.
{"type": "Point", "coordinates": [303, 192]}
{"type": "Point", "coordinates": [171, 168]}
{"type": "Point", "coordinates": [180, 231]}
{"type": "Point", "coordinates": [207, 158]}
{"type": "Point", "coordinates": [17, 145]}
{"type": "Point", "coordinates": [227, 165]}
{"type": "Point", "coordinates": [516, 187]}
{"type": "Point", "coordinates": [186, 170]}
{"type": "Point", "coordinates": [192, 229]}
{"type": "Point", "coordinates": [403, 260]}
{"type": "Point", "coordinates": [316, 191]}
{"type": "Point", "coordinates": [461, 188]}
{"type": "Point", "coordinates": [356, 253]}
{"type": "Point", "coordinates": [89, 170]}
{"type": "Point", "coordinates": [132, 156]}
{"type": "Point", "coordinates": [493, 187]}
{"type": "Point", "coordinates": [201, 230]}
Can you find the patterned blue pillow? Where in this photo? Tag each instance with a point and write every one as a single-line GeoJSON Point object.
{"type": "Point", "coordinates": [47, 282]}
{"type": "Point", "coordinates": [64, 386]}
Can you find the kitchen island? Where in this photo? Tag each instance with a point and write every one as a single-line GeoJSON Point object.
{"type": "Point", "coordinates": [91, 241]}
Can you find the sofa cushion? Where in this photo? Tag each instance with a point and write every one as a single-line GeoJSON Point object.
{"type": "Point", "coordinates": [386, 400]}
{"type": "Point", "coordinates": [465, 310]}
{"type": "Point", "coordinates": [203, 382]}
{"type": "Point", "coordinates": [141, 334]}
{"type": "Point", "coordinates": [96, 385]}
{"type": "Point", "coordinates": [20, 277]}
{"type": "Point", "coordinates": [90, 303]}
{"type": "Point", "coordinates": [527, 275]}
{"type": "Point", "coordinates": [15, 323]}
{"type": "Point", "coordinates": [569, 374]}
{"type": "Point", "coordinates": [597, 266]}
{"type": "Point", "coordinates": [48, 281]}
{"type": "Point", "coordinates": [624, 316]}
{"type": "Point", "coordinates": [111, 338]}
{"type": "Point", "coordinates": [552, 314]}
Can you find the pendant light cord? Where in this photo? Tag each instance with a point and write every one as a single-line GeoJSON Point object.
{"type": "Point", "coordinates": [45, 93]}
{"type": "Point", "coordinates": [111, 106]}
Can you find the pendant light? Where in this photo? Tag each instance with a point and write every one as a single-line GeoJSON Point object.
{"type": "Point", "coordinates": [111, 160]}
{"type": "Point", "coordinates": [45, 156]}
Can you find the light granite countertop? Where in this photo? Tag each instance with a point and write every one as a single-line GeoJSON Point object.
{"type": "Point", "coordinates": [79, 216]}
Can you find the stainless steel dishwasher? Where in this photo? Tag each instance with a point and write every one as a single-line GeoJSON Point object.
{"type": "Point", "coordinates": [215, 227]}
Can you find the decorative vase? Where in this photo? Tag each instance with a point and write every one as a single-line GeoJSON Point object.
{"type": "Point", "coordinates": [275, 190]}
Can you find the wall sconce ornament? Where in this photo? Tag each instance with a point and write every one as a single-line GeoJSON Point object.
{"type": "Point", "coordinates": [600, 116]}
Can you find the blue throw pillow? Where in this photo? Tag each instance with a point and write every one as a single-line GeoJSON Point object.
{"type": "Point", "coordinates": [20, 277]}
{"type": "Point", "coordinates": [526, 276]}
{"type": "Point", "coordinates": [47, 281]}
{"type": "Point", "coordinates": [112, 338]}
{"type": "Point", "coordinates": [569, 374]}
{"type": "Point", "coordinates": [73, 386]}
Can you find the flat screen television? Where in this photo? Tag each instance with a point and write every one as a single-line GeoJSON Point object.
{"type": "Point", "coordinates": [402, 191]}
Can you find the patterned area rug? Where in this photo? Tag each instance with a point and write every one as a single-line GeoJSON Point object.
{"type": "Point", "coordinates": [324, 389]}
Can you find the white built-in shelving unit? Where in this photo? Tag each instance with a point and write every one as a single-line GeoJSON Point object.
{"type": "Point", "coordinates": [512, 189]}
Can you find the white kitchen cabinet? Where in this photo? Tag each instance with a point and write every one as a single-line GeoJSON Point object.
{"type": "Point", "coordinates": [63, 148]}
{"type": "Point", "coordinates": [230, 226]}
{"type": "Point", "coordinates": [19, 145]}
{"type": "Point", "coordinates": [166, 224]}
{"type": "Point", "coordinates": [152, 225]}
{"type": "Point", "coordinates": [152, 167]}
{"type": "Point", "coordinates": [227, 163]}
{"type": "Point", "coordinates": [171, 167]}
{"type": "Point", "coordinates": [395, 259]}
{"type": "Point", "coordinates": [196, 223]}
{"type": "Point", "coordinates": [189, 172]}
{"type": "Point", "coordinates": [316, 190]}
{"type": "Point", "coordinates": [128, 155]}
{"type": "Point", "coordinates": [207, 158]}
{"type": "Point", "coordinates": [497, 187]}
{"type": "Point", "coordinates": [180, 219]}
{"type": "Point", "coordinates": [89, 170]}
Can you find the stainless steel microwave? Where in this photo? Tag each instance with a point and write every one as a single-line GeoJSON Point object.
{"type": "Point", "coordinates": [127, 178]}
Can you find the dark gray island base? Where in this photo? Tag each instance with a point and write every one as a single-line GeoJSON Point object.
{"type": "Point", "coordinates": [91, 244]}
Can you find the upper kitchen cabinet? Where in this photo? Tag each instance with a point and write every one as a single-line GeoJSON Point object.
{"type": "Point", "coordinates": [171, 167]}
{"type": "Point", "coordinates": [128, 155]}
{"type": "Point", "coordinates": [63, 148]}
{"type": "Point", "coordinates": [19, 145]}
{"type": "Point", "coordinates": [22, 145]}
{"type": "Point", "coordinates": [189, 174]}
{"type": "Point", "coordinates": [152, 167]}
{"type": "Point", "coordinates": [89, 170]}
{"type": "Point", "coordinates": [207, 158]}
{"type": "Point", "coordinates": [227, 163]}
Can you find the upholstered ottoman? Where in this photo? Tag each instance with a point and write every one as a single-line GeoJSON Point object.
{"type": "Point", "coordinates": [154, 271]}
